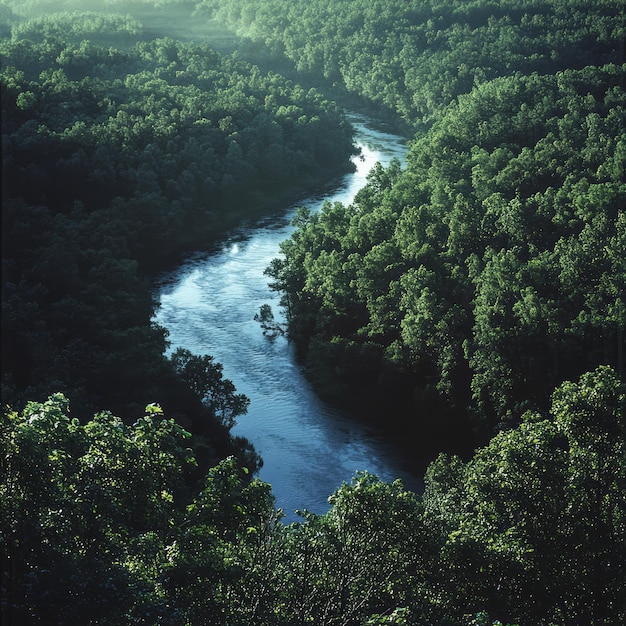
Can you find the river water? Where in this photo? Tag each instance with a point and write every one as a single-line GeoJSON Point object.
{"type": "Point", "coordinates": [208, 305]}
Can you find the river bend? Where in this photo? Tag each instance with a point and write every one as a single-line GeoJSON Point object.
{"type": "Point", "coordinates": [208, 306]}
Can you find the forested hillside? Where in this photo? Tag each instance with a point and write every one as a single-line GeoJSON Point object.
{"type": "Point", "coordinates": [488, 271]}
{"type": "Point", "coordinates": [476, 300]}
{"type": "Point", "coordinates": [117, 156]}
{"type": "Point", "coordinates": [415, 57]}
{"type": "Point", "coordinates": [464, 288]}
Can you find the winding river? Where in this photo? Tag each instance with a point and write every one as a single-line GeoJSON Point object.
{"type": "Point", "coordinates": [208, 306]}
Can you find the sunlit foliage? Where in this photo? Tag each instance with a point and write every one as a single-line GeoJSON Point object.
{"type": "Point", "coordinates": [102, 523]}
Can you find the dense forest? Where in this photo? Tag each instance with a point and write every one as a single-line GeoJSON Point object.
{"type": "Point", "coordinates": [478, 295]}
{"type": "Point", "coordinates": [100, 526]}
{"type": "Point", "coordinates": [415, 57]}
{"type": "Point", "coordinates": [487, 272]}
{"type": "Point", "coordinates": [115, 159]}
{"type": "Point", "coordinates": [492, 269]}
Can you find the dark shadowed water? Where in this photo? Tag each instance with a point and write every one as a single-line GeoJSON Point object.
{"type": "Point", "coordinates": [208, 306]}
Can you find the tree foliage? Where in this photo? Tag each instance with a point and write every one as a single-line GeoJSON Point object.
{"type": "Point", "coordinates": [415, 57]}
{"type": "Point", "coordinates": [205, 379]}
{"type": "Point", "coordinates": [533, 513]}
{"type": "Point", "coordinates": [471, 284]}
{"type": "Point", "coordinates": [488, 271]}
{"type": "Point", "coordinates": [103, 522]}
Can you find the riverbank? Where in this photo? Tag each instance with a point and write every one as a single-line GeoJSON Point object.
{"type": "Point", "coordinates": [256, 208]}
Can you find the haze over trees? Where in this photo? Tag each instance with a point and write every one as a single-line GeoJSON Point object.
{"type": "Point", "coordinates": [416, 57]}
{"type": "Point", "coordinates": [478, 294]}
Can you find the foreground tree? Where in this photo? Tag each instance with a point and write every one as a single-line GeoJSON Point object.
{"type": "Point", "coordinates": [362, 557]}
{"type": "Point", "coordinates": [204, 377]}
{"type": "Point", "coordinates": [105, 523]}
{"type": "Point", "coordinates": [99, 524]}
